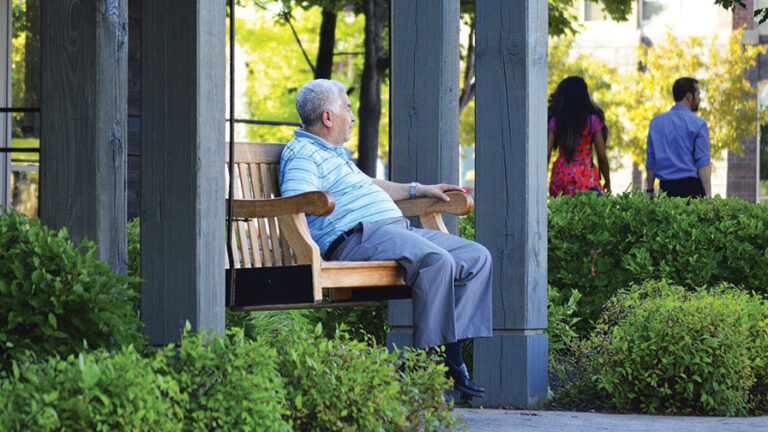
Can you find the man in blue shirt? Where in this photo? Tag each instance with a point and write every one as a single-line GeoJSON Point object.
{"type": "Point", "coordinates": [678, 146]}
{"type": "Point", "coordinates": [450, 277]}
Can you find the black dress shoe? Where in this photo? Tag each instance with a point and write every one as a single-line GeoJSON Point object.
{"type": "Point", "coordinates": [461, 381]}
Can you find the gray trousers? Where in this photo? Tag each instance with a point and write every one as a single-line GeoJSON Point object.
{"type": "Point", "coordinates": [450, 277]}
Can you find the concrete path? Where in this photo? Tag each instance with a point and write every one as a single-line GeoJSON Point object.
{"type": "Point", "coordinates": [497, 420]}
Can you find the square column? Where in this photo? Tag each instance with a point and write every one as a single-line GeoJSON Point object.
{"type": "Point", "coordinates": [182, 167]}
{"type": "Point", "coordinates": [83, 117]}
{"type": "Point", "coordinates": [424, 144]}
{"type": "Point", "coordinates": [511, 197]}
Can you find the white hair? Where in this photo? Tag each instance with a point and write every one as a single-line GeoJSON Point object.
{"type": "Point", "coordinates": [317, 96]}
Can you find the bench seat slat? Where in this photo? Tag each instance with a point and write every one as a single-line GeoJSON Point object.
{"type": "Point", "coordinates": [351, 274]}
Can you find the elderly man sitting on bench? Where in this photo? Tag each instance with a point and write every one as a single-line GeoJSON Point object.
{"type": "Point", "coordinates": [450, 277]}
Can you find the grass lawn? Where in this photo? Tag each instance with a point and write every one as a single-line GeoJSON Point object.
{"type": "Point", "coordinates": [25, 143]}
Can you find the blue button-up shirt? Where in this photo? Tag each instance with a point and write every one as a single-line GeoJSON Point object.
{"type": "Point", "coordinates": [310, 163]}
{"type": "Point", "coordinates": [678, 144]}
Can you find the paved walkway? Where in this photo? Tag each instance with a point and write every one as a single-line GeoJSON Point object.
{"type": "Point", "coordinates": [496, 420]}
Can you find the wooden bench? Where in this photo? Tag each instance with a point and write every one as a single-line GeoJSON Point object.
{"type": "Point", "coordinates": [274, 252]}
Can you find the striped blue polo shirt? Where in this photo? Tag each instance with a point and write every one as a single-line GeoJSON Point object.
{"type": "Point", "coordinates": [310, 163]}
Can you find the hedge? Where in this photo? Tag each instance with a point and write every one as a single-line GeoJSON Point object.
{"type": "Point", "coordinates": [598, 245]}
{"type": "Point", "coordinates": [661, 348]}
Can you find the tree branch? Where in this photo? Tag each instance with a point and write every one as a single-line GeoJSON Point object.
{"type": "Point", "coordinates": [286, 16]}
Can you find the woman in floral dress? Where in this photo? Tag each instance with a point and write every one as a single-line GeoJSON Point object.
{"type": "Point", "coordinates": [576, 124]}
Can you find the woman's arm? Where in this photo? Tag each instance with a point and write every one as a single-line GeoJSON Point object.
{"type": "Point", "coordinates": [602, 160]}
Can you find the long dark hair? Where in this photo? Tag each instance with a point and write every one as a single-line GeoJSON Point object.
{"type": "Point", "coordinates": [571, 107]}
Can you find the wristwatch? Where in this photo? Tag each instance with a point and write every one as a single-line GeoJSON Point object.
{"type": "Point", "coordinates": [412, 190]}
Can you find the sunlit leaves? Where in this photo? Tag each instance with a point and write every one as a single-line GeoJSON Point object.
{"type": "Point", "coordinates": [728, 101]}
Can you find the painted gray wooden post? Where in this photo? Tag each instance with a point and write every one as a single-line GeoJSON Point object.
{"type": "Point", "coordinates": [511, 197]}
{"type": "Point", "coordinates": [424, 143]}
{"type": "Point", "coordinates": [83, 113]}
{"type": "Point", "coordinates": [182, 167]}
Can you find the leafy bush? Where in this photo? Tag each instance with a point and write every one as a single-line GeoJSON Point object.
{"type": "Point", "coordinates": [561, 320]}
{"type": "Point", "coordinates": [467, 226]}
{"type": "Point", "coordinates": [133, 233]}
{"type": "Point", "coordinates": [260, 324]}
{"type": "Point", "coordinates": [344, 384]}
{"type": "Point", "coordinates": [659, 348]}
{"type": "Point", "coordinates": [88, 392]}
{"type": "Point", "coordinates": [54, 297]}
{"type": "Point", "coordinates": [227, 384]}
{"type": "Point", "coordinates": [422, 381]}
{"type": "Point", "coordinates": [599, 245]}
{"type": "Point", "coordinates": [368, 323]}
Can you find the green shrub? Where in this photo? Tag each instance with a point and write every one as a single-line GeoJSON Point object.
{"type": "Point", "coordinates": [422, 382]}
{"type": "Point", "coordinates": [344, 384]}
{"type": "Point", "coordinates": [227, 384]}
{"type": "Point", "coordinates": [598, 245]}
{"type": "Point", "coordinates": [467, 226]}
{"type": "Point", "coordinates": [367, 323]}
{"type": "Point", "coordinates": [133, 233]}
{"type": "Point", "coordinates": [88, 392]}
{"type": "Point", "coordinates": [261, 324]}
{"type": "Point", "coordinates": [54, 298]}
{"type": "Point", "coordinates": [561, 320]}
{"type": "Point", "coordinates": [659, 348]}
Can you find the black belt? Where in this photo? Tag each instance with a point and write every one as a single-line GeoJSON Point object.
{"type": "Point", "coordinates": [338, 241]}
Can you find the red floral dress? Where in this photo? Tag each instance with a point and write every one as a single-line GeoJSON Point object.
{"type": "Point", "coordinates": [580, 174]}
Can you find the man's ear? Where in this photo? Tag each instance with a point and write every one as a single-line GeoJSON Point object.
{"type": "Point", "coordinates": [326, 118]}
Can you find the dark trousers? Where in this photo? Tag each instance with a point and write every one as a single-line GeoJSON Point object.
{"type": "Point", "coordinates": [683, 188]}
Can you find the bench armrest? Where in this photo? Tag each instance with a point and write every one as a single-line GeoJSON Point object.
{"type": "Point", "coordinates": [316, 203]}
{"type": "Point", "coordinates": [461, 204]}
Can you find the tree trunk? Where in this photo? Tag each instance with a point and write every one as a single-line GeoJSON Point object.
{"type": "Point", "coordinates": [637, 176]}
{"type": "Point", "coordinates": [376, 12]}
{"type": "Point", "coordinates": [324, 62]}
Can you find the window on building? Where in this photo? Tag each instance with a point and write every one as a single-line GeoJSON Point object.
{"type": "Point", "coordinates": [594, 12]}
{"type": "Point", "coordinates": [649, 9]}
{"type": "Point", "coordinates": [19, 105]}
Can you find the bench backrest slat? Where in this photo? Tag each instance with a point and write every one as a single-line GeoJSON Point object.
{"type": "Point", "coordinates": [257, 242]}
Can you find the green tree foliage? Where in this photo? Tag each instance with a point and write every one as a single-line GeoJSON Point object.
{"type": "Point", "coordinates": [760, 13]}
{"type": "Point", "coordinates": [728, 100]}
{"type": "Point", "coordinates": [562, 21]}
{"type": "Point", "coordinates": [276, 68]}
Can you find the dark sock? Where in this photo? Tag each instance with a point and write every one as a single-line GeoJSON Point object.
{"type": "Point", "coordinates": [453, 354]}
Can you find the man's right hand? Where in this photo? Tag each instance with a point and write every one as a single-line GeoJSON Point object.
{"type": "Point", "coordinates": [437, 191]}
